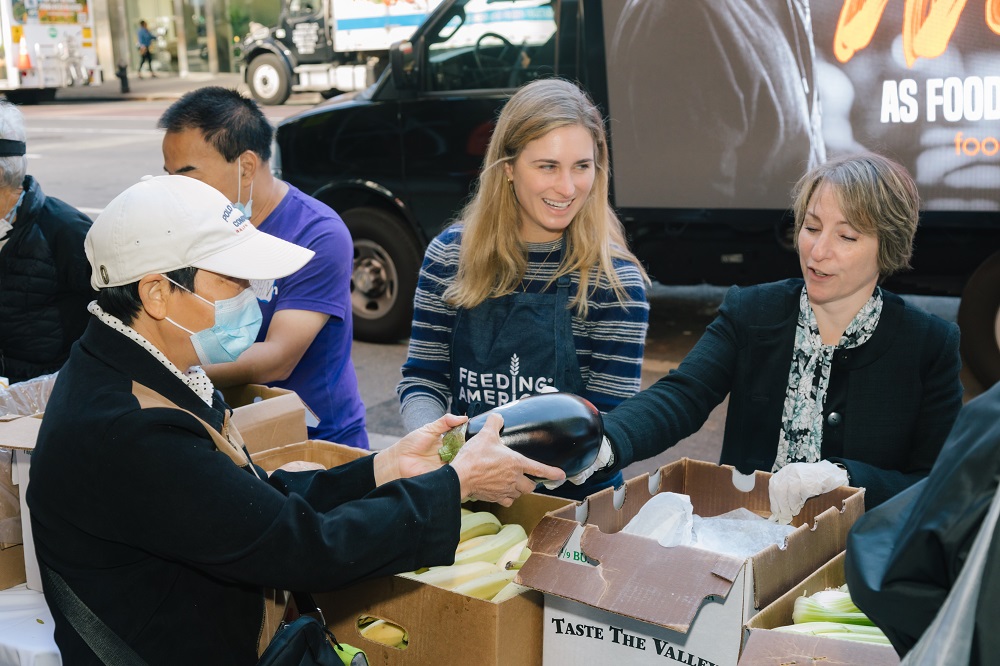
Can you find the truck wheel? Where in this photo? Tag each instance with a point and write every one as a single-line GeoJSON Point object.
{"type": "Point", "coordinates": [979, 319]}
{"type": "Point", "coordinates": [26, 96]}
{"type": "Point", "coordinates": [268, 79]}
{"type": "Point", "coordinates": [386, 264]}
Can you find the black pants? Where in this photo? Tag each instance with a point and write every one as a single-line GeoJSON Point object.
{"type": "Point", "coordinates": [146, 58]}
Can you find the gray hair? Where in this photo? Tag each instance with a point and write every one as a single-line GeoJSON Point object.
{"type": "Point", "coordinates": [13, 168]}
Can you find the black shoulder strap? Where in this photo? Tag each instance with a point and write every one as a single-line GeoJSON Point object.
{"type": "Point", "coordinates": [105, 643]}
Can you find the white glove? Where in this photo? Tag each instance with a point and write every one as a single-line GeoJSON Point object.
{"type": "Point", "coordinates": [605, 458]}
{"type": "Point", "coordinates": [793, 484]}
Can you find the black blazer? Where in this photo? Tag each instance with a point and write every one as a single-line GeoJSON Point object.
{"type": "Point", "coordinates": [890, 404]}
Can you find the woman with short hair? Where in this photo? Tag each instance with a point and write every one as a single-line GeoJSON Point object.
{"type": "Point", "coordinates": [829, 370]}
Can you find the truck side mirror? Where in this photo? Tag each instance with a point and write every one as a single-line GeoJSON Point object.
{"type": "Point", "coordinates": [403, 62]}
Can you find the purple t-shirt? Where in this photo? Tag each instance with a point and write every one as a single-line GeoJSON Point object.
{"type": "Point", "coordinates": [325, 377]}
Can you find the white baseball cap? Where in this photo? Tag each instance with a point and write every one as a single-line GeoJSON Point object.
{"type": "Point", "coordinates": [164, 223]}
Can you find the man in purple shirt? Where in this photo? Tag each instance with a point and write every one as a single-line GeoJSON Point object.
{"type": "Point", "coordinates": [223, 139]}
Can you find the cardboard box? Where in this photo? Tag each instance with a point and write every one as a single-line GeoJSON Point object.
{"type": "Point", "coordinates": [445, 627]}
{"type": "Point", "coordinates": [327, 454]}
{"type": "Point", "coordinates": [612, 597]}
{"type": "Point", "coordinates": [268, 417]}
{"type": "Point", "coordinates": [774, 648]}
{"type": "Point", "coordinates": [19, 434]}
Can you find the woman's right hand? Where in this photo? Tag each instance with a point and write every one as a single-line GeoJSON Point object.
{"type": "Point", "coordinates": [491, 472]}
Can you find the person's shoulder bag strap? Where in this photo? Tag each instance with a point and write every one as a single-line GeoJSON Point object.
{"type": "Point", "coordinates": [105, 643]}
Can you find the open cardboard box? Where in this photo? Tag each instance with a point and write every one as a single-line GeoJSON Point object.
{"type": "Point", "coordinates": [443, 627]}
{"type": "Point", "coordinates": [765, 647]}
{"type": "Point", "coordinates": [268, 417]}
{"type": "Point", "coordinates": [612, 597]}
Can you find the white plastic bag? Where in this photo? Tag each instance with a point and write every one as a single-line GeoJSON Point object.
{"type": "Point", "coordinates": [666, 517]}
{"type": "Point", "coordinates": [949, 638]}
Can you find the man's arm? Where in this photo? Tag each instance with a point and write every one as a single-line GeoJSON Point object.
{"type": "Point", "coordinates": [273, 359]}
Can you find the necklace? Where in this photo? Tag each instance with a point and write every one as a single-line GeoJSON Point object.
{"type": "Point", "coordinates": [536, 275]}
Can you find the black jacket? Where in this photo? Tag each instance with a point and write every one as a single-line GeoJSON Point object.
{"type": "Point", "coordinates": [170, 543]}
{"type": "Point", "coordinates": [44, 285]}
{"type": "Point", "coordinates": [894, 398]}
{"type": "Point", "coordinates": [904, 557]}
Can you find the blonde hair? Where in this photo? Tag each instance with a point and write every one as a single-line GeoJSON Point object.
{"type": "Point", "coordinates": [493, 257]}
{"type": "Point", "coordinates": [877, 197]}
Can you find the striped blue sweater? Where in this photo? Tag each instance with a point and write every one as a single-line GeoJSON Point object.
{"type": "Point", "coordinates": [609, 340]}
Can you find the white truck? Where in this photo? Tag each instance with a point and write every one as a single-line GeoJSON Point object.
{"type": "Point", "coordinates": [326, 46]}
{"type": "Point", "coordinates": [46, 45]}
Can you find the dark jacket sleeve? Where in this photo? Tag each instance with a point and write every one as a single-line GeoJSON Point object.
{"type": "Point", "coordinates": [679, 403]}
{"type": "Point", "coordinates": [904, 556]}
{"type": "Point", "coordinates": [330, 529]}
{"type": "Point", "coordinates": [940, 401]}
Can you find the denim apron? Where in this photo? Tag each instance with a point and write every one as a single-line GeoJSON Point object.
{"type": "Point", "coordinates": [511, 347]}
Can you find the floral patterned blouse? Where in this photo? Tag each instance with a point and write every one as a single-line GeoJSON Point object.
{"type": "Point", "coordinates": [801, 435]}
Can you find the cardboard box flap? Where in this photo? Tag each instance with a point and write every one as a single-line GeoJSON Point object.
{"type": "Point", "coordinates": [627, 573]}
{"type": "Point", "coordinates": [267, 417]}
{"type": "Point", "coordinates": [20, 432]}
{"type": "Point", "coordinates": [825, 533]}
{"type": "Point", "coordinates": [774, 648]}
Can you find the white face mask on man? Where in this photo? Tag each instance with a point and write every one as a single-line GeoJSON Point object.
{"type": "Point", "coordinates": [237, 322]}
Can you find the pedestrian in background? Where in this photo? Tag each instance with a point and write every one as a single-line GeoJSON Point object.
{"type": "Point", "coordinates": [145, 44]}
{"type": "Point", "coordinates": [222, 138]}
{"type": "Point", "coordinates": [44, 274]}
{"type": "Point", "coordinates": [534, 287]}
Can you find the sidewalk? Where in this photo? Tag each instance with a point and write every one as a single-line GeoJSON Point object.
{"type": "Point", "coordinates": [166, 86]}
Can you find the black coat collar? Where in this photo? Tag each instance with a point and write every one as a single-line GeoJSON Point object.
{"type": "Point", "coordinates": [130, 359]}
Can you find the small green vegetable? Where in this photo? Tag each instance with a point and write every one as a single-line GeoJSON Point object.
{"type": "Point", "coordinates": [451, 442]}
{"type": "Point", "coordinates": [828, 606]}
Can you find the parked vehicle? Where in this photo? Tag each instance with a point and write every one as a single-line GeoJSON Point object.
{"type": "Point", "coordinates": [45, 46]}
{"type": "Point", "coordinates": [708, 134]}
{"type": "Point", "coordinates": [326, 46]}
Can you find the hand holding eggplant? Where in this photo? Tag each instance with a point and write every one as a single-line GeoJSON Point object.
{"type": "Point", "coordinates": [490, 471]}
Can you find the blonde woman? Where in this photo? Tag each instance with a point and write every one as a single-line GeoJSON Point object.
{"type": "Point", "coordinates": [534, 287]}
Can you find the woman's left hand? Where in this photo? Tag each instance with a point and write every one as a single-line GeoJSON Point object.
{"type": "Point", "coordinates": [416, 453]}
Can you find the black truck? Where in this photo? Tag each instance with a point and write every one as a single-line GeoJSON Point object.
{"type": "Point", "coordinates": [714, 108]}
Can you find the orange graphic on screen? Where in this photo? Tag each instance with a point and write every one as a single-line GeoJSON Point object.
{"type": "Point", "coordinates": [927, 26]}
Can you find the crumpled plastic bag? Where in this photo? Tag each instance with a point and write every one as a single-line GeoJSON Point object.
{"type": "Point", "coordinates": [669, 518]}
{"type": "Point", "coordinates": [27, 397]}
{"type": "Point", "coordinates": [666, 517]}
{"type": "Point", "coordinates": [740, 533]}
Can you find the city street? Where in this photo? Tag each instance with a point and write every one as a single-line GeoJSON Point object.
{"type": "Point", "coordinates": [87, 152]}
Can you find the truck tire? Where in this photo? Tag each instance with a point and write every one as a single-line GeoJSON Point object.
{"type": "Point", "coordinates": [269, 79]}
{"type": "Point", "coordinates": [979, 319]}
{"type": "Point", "coordinates": [30, 96]}
{"type": "Point", "coordinates": [386, 264]}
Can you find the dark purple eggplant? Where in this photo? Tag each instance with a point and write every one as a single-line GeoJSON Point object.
{"type": "Point", "coordinates": [558, 429]}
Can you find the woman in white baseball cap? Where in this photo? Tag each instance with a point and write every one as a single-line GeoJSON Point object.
{"type": "Point", "coordinates": [133, 509]}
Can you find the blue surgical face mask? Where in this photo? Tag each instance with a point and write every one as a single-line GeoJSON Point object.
{"type": "Point", "coordinates": [247, 208]}
{"type": "Point", "coordinates": [237, 322]}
